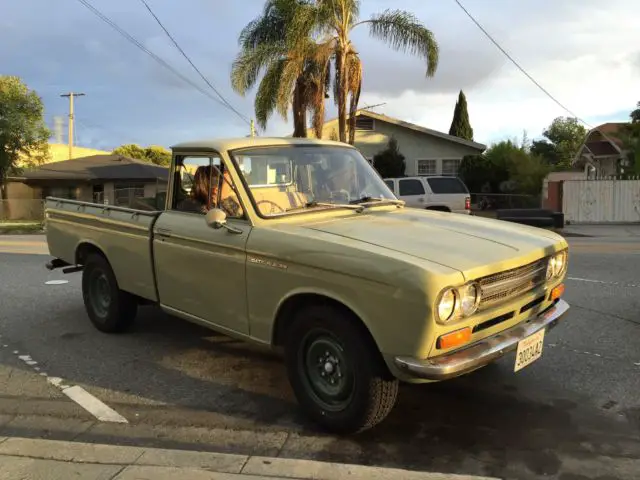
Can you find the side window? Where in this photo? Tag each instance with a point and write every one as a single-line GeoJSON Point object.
{"type": "Point", "coordinates": [447, 185]}
{"type": "Point", "coordinates": [201, 183]}
{"type": "Point", "coordinates": [389, 184]}
{"type": "Point", "coordinates": [411, 186]}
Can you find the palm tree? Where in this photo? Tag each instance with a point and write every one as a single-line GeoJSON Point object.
{"type": "Point", "coordinates": [296, 73]}
{"type": "Point", "coordinates": [332, 21]}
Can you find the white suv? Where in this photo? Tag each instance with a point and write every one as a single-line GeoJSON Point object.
{"type": "Point", "coordinates": [446, 194]}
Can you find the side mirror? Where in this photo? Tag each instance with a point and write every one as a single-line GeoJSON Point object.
{"type": "Point", "coordinates": [217, 219]}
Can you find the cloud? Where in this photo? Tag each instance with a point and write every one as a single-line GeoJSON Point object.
{"type": "Point", "coordinates": [583, 52]}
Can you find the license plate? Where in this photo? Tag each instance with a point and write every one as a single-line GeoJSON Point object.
{"type": "Point", "coordinates": [529, 350]}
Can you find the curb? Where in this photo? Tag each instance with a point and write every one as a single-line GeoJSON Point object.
{"type": "Point", "coordinates": [184, 464]}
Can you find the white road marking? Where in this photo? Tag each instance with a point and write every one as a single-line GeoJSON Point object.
{"type": "Point", "coordinates": [56, 282]}
{"type": "Point", "coordinates": [577, 279]}
{"type": "Point", "coordinates": [590, 280]}
{"type": "Point", "coordinates": [91, 404]}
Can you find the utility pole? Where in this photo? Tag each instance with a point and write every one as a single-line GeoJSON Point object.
{"type": "Point", "coordinates": [71, 95]}
{"type": "Point", "coordinates": [253, 128]}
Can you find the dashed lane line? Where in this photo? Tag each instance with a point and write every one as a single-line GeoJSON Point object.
{"type": "Point", "coordinates": [79, 395]}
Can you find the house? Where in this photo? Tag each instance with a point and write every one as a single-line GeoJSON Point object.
{"type": "Point", "coordinates": [111, 179]}
{"type": "Point", "coordinates": [426, 151]}
{"type": "Point", "coordinates": [60, 151]}
{"type": "Point", "coordinates": [602, 153]}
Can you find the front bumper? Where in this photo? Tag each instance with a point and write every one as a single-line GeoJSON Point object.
{"type": "Point", "coordinates": [482, 353]}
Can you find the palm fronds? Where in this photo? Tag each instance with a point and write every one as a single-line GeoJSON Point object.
{"type": "Point", "coordinates": [404, 32]}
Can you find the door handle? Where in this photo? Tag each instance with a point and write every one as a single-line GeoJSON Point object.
{"type": "Point", "coordinates": [163, 232]}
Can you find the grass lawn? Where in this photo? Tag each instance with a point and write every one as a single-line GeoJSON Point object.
{"type": "Point", "coordinates": [20, 228]}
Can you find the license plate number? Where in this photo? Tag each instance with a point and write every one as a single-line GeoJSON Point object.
{"type": "Point", "coordinates": [529, 350]}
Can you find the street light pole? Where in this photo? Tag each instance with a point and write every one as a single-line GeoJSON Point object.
{"type": "Point", "coordinates": [70, 139]}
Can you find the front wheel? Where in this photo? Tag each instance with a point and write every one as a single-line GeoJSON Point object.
{"type": "Point", "coordinates": [110, 309]}
{"type": "Point", "coordinates": [336, 371]}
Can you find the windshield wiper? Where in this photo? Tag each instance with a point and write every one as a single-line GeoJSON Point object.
{"type": "Point", "coordinates": [326, 204]}
{"type": "Point", "coordinates": [363, 201]}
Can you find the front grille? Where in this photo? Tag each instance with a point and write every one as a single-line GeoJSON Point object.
{"type": "Point", "coordinates": [504, 286]}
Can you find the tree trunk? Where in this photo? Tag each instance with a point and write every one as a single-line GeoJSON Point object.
{"type": "Point", "coordinates": [355, 98]}
{"type": "Point", "coordinates": [5, 213]}
{"type": "Point", "coordinates": [341, 77]}
{"type": "Point", "coordinates": [299, 110]}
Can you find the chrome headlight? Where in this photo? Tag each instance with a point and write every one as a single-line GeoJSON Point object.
{"type": "Point", "coordinates": [557, 265]}
{"type": "Point", "coordinates": [446, 306]}
{"type": "Point", "coordinates": [456, 302]}
{"type": "Point", "coordinates": [469, 298]}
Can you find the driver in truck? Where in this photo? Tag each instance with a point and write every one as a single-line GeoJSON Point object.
{"type": "Point", "coordinates": [203, 197]}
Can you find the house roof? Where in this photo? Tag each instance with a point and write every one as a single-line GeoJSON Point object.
{"type": "Point", "coordinates": [417, 128]}
{"type": "Point", "coordinates": [97, 167]}
{"type": "Point", "coordinates": [609, 131]}
{"type": "Point", "coordinates": [606, 143]}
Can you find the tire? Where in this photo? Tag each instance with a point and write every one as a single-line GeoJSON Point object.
{"type": "Point", "coordinates": [110, 309]}
{"type": "Point", "coordinates": [350, 389]}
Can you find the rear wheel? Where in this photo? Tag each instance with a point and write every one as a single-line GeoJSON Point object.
{"type": "Point", "coordinates": [336, 372]}
{"type": "Point", "coordinates": [110, 309]}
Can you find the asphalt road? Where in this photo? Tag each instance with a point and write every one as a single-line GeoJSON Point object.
{"type": "Point", "coordinates": [572, 415]}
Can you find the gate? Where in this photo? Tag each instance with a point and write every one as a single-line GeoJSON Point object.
{"type": "Point", "coordinates": [601, 201]}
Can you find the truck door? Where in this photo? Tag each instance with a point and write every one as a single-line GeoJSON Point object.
{"type": "Point", "coordinates": [201, 271]}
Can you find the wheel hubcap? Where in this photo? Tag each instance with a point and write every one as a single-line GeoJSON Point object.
{"type": "Point", "coordinates": [325, 371]}
{"type": "Point", "coordinates": [100, 294]}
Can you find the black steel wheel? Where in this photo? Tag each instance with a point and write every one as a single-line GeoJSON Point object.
{"type": "Point", "coordinates": [336, 371]}
{"type": "Point", "coordinates": [110, 309]}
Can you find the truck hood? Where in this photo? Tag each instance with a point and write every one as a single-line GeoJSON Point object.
{"type": "Point", "coordinates": [463, 242]}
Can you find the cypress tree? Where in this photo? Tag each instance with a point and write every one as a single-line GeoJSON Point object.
{"type": "Point", "coordinates": [460, 126]}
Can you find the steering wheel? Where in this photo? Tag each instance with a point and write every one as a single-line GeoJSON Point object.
{"type": "Point", "coordinates": [273, 204]}
{"type": "Point", "coordinates": [340, 193]}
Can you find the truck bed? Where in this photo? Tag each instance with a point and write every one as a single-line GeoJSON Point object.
{"type": "Point", "coordinates": [124, 235]}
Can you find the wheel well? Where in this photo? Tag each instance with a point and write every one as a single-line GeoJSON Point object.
{"type": "Point", "coordinates": [285, 316]}
{"type": "Point", "coordinates": [84, 250]}
{"type": "Point", "coordinates": [439, 208]}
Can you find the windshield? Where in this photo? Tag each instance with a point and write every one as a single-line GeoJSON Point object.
{"type": "Point", "coordinates": [293, 178]}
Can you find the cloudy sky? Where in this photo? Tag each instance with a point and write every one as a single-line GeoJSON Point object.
{"type": "Point", "coordinates": [586, 53]}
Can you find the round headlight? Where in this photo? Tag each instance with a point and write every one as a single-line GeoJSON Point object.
{"type": "Point", "coordinates": [557, 265]}
{"type": "Point", "coordinates": [447, 305]}
{"type": "Point", "coordinates": [469, 299]}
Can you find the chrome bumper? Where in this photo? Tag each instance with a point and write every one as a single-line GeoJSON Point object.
{"type": "Point", "coordinates": [485, 351]}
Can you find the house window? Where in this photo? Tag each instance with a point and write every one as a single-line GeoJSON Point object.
{"type": "Point", "coordinates": [69, 193]}
{"type": "Point", "coordinates": [411, 187]}
{"type": "Point", "coordinates": [426, 167]}
{"type": "Point", "coordinates": [450, 167]}
{"type": "Point", "coordinates": [125, 194]}
{"type": "Point", "coordinates": [364, 123]}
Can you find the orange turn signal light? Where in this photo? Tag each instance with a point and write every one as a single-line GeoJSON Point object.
{"type": "Point", "coordinates": [557, 292]}
{"type": "Point", "coordinates": [454, 339]}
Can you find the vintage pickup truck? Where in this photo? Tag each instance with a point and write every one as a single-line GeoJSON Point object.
{"type": "Point", "coordinates": [298, 245]}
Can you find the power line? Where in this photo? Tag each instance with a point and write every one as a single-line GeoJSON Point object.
{"type": "Point", "coordinates": [175, 43]}
{"type": "Point", "coordinates": [122, 32]}
{"type": "Point", "coordinates": [488, 35]}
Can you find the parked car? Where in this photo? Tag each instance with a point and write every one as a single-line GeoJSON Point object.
{"type": "Point", "coordinates": [300, 246]}
{"type": "Point", "coordinates": [442, 193]}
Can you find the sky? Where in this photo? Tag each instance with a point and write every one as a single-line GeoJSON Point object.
{"type": "Point", "coordinates": [586, 53]}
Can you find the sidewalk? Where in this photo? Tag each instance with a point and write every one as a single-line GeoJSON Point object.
{"type": "Point", "coordinates": [22, 459]}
